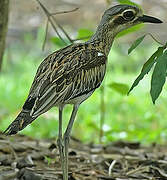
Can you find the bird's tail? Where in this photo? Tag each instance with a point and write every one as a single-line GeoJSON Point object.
{"type": "Point", "coordinates": [21, 121]}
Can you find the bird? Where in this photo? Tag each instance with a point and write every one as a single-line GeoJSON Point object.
{"type": "Point", "coordinates": [71, 75]}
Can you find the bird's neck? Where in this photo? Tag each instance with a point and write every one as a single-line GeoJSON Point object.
{"type": "Point", "coordinates": [103, 38]}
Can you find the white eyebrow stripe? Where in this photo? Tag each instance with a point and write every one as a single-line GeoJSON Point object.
{"type": "Point", "coordinates": [100, 54]}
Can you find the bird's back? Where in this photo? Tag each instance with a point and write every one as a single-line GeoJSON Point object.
{"type": "Point", "coordinates": [67, 76]}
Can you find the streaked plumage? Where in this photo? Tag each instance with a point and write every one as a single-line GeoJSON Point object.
{"type": "Point", "coordinates": [70, 75]}
{"type": "Point", "coordinates": [67, 76]}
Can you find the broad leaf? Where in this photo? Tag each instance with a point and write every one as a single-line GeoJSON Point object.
{"type": "Point", "coordinates": [120, 87]}
{"type": "Point", "coordinates": [159, 76]}
{"type": "Point", "coordinates": [135, 44]}
{"type": "Point", "coordinates": [147, 67]}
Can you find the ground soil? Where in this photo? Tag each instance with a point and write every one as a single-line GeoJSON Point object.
{"type": "Point", "coordinates": [24, 158]}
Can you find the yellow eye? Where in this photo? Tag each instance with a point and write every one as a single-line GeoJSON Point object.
{"type": "Point", "coordinates": [128, 15]}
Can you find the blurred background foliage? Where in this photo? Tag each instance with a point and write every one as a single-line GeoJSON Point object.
{"type": "Point", "coordinates": [109, 112]}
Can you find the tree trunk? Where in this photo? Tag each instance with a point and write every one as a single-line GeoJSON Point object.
{"type": "Point", "coordinates": [4, 6]}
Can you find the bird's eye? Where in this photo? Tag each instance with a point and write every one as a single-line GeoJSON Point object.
{"type": "Point", "coordinates": [128, 15]}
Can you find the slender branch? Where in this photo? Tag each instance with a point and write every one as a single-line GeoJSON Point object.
{"type": "Point", "coordinates": [4, 9]}
{"type": "Point", "coordinates": [44, 9]}
{"type": "Point", "coordinates": [62, 29]}
{"type": "Point", "coordinates": [111, 167]}
{"type": "Point", "coordinates": [155, 39]}
{"type": "Point", "coordinates": [102, 112]}
{"type": "Point", "coordinates": [63, 12]}
{"type": "Point", "coordinates": [46, 32]}
{"type": "Point", "coordinates": [66, 34]}
{"type": "Point", "coordinates": [54, 27]}
{"type": "Point", "coordinates": [50, 20]}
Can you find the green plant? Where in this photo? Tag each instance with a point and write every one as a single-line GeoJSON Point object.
{"type": "Point", "coordinates": [159, 59]}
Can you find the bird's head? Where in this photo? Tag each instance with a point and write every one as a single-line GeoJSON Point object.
{"type": "Point", "coordinates": [121, 17]}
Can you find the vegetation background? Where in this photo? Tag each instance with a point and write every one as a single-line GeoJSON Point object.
{"type": "Point", "coordinates": [109, 114]}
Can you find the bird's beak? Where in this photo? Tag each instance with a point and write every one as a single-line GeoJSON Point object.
{"type": "Point", "coordinates": [149, 19]}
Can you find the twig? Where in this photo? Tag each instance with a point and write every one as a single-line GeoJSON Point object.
{"type": "Point", "coordinates": [66, 34]}
{"type": "Point", "coordinates": [163, 174]}
{"type": "Point", "coordinates": [63, 12]}
{"type": "Point", "coordinates": [53, 21]}
{"type": "Point", "coordinates": [46, 32]}
{"type": "Point", "coordinates": [54, 27]}
{"type": "Point", "coordinates": [102, 113]}
{"type": "Point", "coordinates": [140, 169]}
{"type": "Point", "coordinates": [62, 29]}
{"type": "Point", "coordinates": [111, 167]}
{"type": "Point", "coordinates": [155, 39]}
{"type": "Point", "coordinates": [50, 20]}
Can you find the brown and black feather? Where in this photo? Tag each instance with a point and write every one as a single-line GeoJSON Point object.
{"type": "Point", "coordinates": [63, 77]}
{"type": "Point", "coordinates": [70, 75]}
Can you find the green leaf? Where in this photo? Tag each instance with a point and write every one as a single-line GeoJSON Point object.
{"type": "Point", "coordinates": [130, 30]}
{"type": "Point", "coordinates": [82, 33]}
{"type": "Point", "coordinates": [159, 76]}
{"type": "Point", "coordinates": [120, 87]}
{"type": "Point", "coordinates": [57, 41]}
{"type": "Point", "coordinates": [48, 159]}
{"type": "Point", "coordinates": [136, 43]}
{"type": "Point", "coordinates": [158, 53]}
{"type": "Point", "coordinates": [127, 2]}
{"type": "Point", "coordinates": [147, 67]}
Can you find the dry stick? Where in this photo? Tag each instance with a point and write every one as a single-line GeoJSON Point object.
{"type": "Point", "coordinates": [66, 34]}
{"type": "Point", "coordinates": [50, 20]}
{"type": "Point", "coordinates": [63, 30]}
{"type": "Point", "coordinates": [155, 39]}
{"type": "Point", "coordinates": [46, 32]}
{"type": "Point", "coordinates": [54, 27]}
{"type": "Point", "coordinates": [139, 169]}
{"type": "Point", "coordinates": [160, 171]}
{"type": "Point", "coordinates": [102, 113]}
{"type": "Point", "coordinates": [63, 12]}
{"type": "Point", "coordinates": [111, 167]}
{"type": "Point", "coordinates": [49, 16]}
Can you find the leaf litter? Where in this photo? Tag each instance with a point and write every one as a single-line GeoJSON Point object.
{"type": "Point", "coordinates": [25, 158]}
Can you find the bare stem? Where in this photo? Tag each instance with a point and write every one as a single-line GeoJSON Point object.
{"type": "Point", "coordinates": [62, 29]}
{"type": "Point", "coordinates": [102, 113]}
{"type": "Point", "coordinates": [46, 32]}
{"type": "Point", "coordinates": [155, 39]}
{"type": "Point", "coordinates": [49, 16]}
{"type": "Point", "coordinates": [63, 12]}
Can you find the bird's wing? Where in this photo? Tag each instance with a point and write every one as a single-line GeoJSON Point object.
{"type": "Point", "coordinates": [64, 75]}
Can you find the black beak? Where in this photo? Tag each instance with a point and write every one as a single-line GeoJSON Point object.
{"type": "Point", "coordinates": [149, 19]}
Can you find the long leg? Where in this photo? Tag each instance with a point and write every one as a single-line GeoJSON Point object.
{"type": "Point", "coordinates": [66, 138]}
{"type": "Point", "coordinates": [60, 139]}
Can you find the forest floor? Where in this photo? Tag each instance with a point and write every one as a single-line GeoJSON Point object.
{"type": "Point", "coordinates": [24, 158]}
